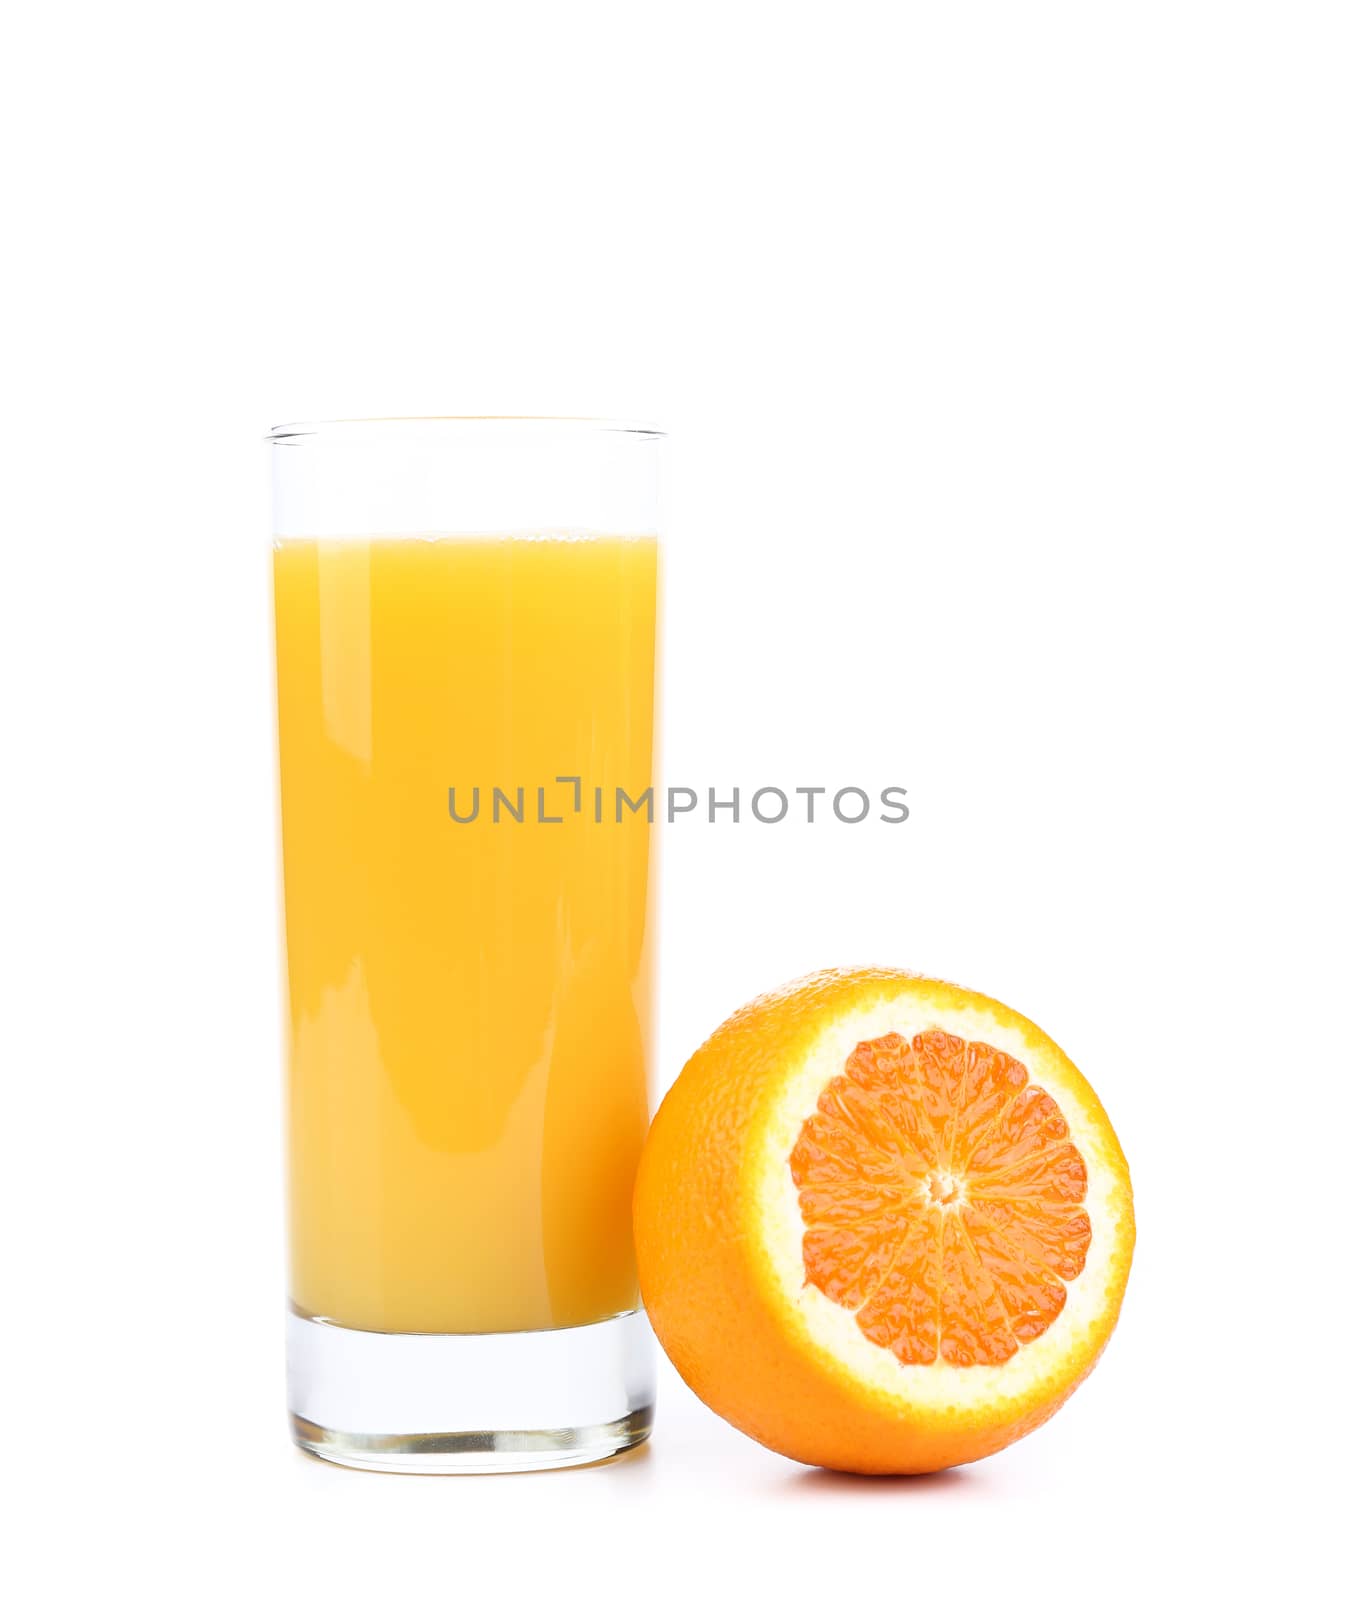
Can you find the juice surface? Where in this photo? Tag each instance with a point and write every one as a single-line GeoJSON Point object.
{"type": "Point", "coordinates": [468, 1001]}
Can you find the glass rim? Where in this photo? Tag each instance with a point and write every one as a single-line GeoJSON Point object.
{"type": "Point", "coordinates": [355, 428]}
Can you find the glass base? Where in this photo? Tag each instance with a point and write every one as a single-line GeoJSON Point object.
{"type": "Point", "coordinates": [469, 1402]}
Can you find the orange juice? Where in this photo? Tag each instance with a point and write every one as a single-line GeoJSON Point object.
{"type": "Point", "coordinates": [468, 999]}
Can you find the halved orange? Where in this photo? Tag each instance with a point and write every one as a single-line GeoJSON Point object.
{"type": "Point", "coordinates": [882, 1223]}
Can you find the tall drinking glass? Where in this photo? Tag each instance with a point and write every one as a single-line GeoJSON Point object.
{"type": "Point", "coordinates": [466, 616]}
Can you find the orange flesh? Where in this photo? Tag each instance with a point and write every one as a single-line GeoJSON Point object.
{"type": "Point", "coordinates": [940, 1195]}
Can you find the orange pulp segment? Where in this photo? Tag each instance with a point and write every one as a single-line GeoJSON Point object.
{"type": "Point", "coordinates": [940, 1194]}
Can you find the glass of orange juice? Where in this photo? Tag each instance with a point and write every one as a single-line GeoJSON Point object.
{"type": "Point", "coordinates": [466, 617]}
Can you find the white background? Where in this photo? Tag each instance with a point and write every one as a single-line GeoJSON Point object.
{"type": "Point", "coordinates": [1004, 353]}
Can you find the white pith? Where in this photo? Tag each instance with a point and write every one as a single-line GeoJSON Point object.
{"type": "Point", "coordinates": [939, 1387]}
